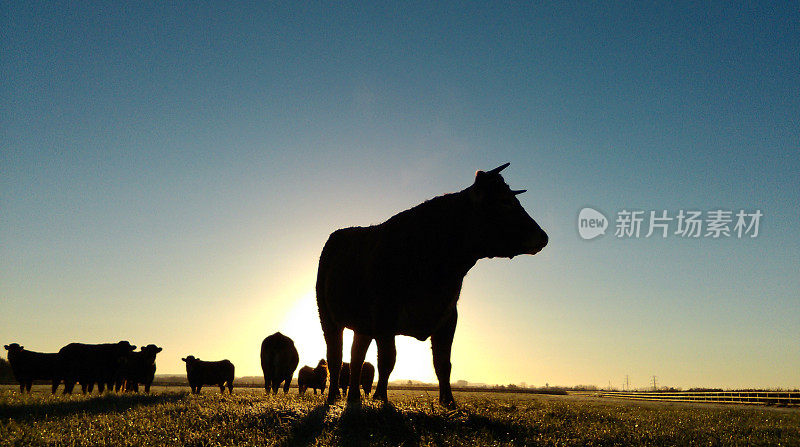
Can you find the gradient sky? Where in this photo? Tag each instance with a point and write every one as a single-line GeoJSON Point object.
{"type": "Point", "coordinates": [169, 173]}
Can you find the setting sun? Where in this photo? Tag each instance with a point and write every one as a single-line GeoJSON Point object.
{"type": "Point", "coordinates": [302, 325]}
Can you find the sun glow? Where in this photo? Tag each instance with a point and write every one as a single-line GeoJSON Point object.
{"type": "Point", "coordinates": [302, 325]}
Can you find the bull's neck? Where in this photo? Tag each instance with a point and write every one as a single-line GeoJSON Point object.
{"type": "Point", "coordinates": [446, 222]}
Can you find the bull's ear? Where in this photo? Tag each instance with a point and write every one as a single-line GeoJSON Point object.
{"type": "Point", "coordinates": [480, 177]}
{"type": "Point", "coordinates": [6, 346]}
{"type": "Point", "coordinates": [479, 189]}
{"type": "Point", "coordinates": [184, 359]}
{"type": "Point", "coordinates": [158, 349]}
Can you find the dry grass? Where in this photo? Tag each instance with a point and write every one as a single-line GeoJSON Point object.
{"type": "Point", "coordinates": [170, 416]}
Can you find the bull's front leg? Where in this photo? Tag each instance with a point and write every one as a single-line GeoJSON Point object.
{"type": "Point", "coordinates": [387, 354]}
{"type": "Point", "coordinates": [333, 341]}
{"type": "Point", "coordinates": [357, 353]}
{"type": "Point", "coordinates": [441, 345]}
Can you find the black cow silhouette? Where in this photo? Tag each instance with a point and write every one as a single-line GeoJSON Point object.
{"type": "Point", "coordinates": [313, 378]}
{"type": "Point", "coordinates": [200, 373]}
{"type": "Point", "coordinates": [138, 368]}
{"type": "Point", "coordinates": [28, 366]}
{"type": "Point", "coordinates": [279, 359]}
{"type": "Point", "coordinates": [92, 364]}
{"type": "Point", "coordinates": [404, 276]}
{"type": "Point", "coordinates": [367, 377]}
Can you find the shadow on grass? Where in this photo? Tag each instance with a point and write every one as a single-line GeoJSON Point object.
{"type": "Point", "coordinates": [308, 428]}
{"type": "Point", "coordinates": [109, 403]}
{"type": "Point", "coordinates": [387, 425]}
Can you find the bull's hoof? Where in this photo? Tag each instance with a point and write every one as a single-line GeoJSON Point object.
{"type": "Point", "coordinates": [380, 396]}
{"type": "Point", "coordinates": [332, 398]}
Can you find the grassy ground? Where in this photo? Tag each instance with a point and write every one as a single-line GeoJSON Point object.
{"type": "Point", "coordinates": [173, 417]}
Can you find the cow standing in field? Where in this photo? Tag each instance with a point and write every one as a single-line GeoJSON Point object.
{"type": "Point", "coordinates": [315, 378]}
{"type": "Point", "coordinates": [367, 377]}
{"type": "Point", "coordinates": [404, 276]}
{"type": "Point", "coordinates": [200, 373]}
{"type": "Point", "coordinates": [279, 359]}
{"type": "Point", "coordinates": [28, 366]}
{"type": "Point", "coordinates": [92, 364]}
{"type": "Point", "coordinates": [138, 367]}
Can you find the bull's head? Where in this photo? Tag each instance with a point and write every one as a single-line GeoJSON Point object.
{"type": "Point", "coordinates": [502, 227]}
{"type": "Point", "coordinates": [151, 350]}
{"type": "Point", "coordinates": [13, 347]}
{"type": "Point", "coordinates": [189, 359]}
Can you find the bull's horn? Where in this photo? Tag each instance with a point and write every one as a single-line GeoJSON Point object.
{"type": "Point", "coordinates": [518, 191]}
{"type": "Point", "coordinates": [499, 168]}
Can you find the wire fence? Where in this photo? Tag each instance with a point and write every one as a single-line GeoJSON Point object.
{"type": "Point", "coordinates": [781, 398]}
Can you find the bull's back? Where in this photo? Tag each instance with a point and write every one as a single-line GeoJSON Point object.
{"type": "Point", "coordinates": [34, 365]}
{"type": "Point", "coordinates": [305, 375]}
{"type": "Point", "coordinates": [215, 372]}
{"type": "Point", "coordinates": [279, 355]}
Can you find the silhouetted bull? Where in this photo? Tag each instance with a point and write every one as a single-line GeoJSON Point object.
{"type": "Point", "coordinates": [279, 359]}
{"type": "Point", "coordinates": [367, 377]}
{"type": "Point", "coordinates": [404, 276]}
{"type": "Point", "coordinates": [200, 373]}
{"type": "Point", "coordinates": [138, 367]}
{"type": "Point", "coordinates": [92, 364]}
{"type": "Point", "coordinates": [28, 366]}
{"type": "Point", "coordinates": [314, 378]}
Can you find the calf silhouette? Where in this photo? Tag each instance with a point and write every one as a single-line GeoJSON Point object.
{"type": "Point", "coordinates": [314, 378]}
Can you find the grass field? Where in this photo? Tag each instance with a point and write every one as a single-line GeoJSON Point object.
{"type": "Point", "coordinates": [170, 416]}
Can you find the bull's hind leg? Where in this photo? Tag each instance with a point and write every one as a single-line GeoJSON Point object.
{"type": "Point", "coordinates": [333, 340]}
{"type": "Point", "coordinates": [357, 353]}
{"type": "Point", "coordinates": [387, 354]}
{"type": "Point", "coordinates": [441, 345]}
{"type": "Point", "coordinates": [287, 384]}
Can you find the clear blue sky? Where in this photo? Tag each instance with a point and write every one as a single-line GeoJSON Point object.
{"type": "Point", "coordinates": [169, 173]}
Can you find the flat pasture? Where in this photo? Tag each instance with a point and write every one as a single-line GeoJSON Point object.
{"type": "Point", "coordinates": [171, 416]}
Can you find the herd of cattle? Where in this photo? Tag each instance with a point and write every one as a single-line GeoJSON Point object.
{"type": "Point", "coordinates": [118, 366]}
{"type": "Point", "coordinates": [400, 277]}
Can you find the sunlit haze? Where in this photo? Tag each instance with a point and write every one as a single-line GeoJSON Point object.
{"type": "Point", "coordinates": [169, 174]}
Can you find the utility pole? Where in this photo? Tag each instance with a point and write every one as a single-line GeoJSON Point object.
{"type": "Point", "coordinates": [655, 383]}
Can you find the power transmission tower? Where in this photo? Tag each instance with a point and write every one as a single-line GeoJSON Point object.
{"type": "Point", "coordinates": [627, 383]}
{"type": "Point", "coordinates": [655, 383]}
